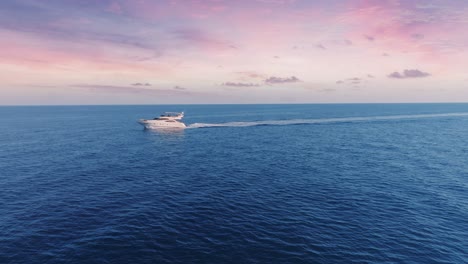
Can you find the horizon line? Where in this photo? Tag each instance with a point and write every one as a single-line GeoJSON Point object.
{"type": "Point", "coordinates": [344, 103]}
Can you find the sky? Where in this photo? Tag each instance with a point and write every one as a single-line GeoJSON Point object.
{"type": "Point", "coordinates": [62, 52]}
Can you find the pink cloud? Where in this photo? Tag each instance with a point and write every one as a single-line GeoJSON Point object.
{"type": "Point", "coordinates": [413, 73]}
{"type": "Point", "coordinates": [251, 75]}
{"type": "Point", "coordinates": [280, 80]}
{"type": "Point", "coordinates": [32, 52]}
{"type": "Point", "coordinates": [400, 26]}
{"type": "Point", "coordinates": [175, 9]}
{"type": "Point", "coordinates": [239, 84]}
{"type": "Point", "coordinates": [112, 89]}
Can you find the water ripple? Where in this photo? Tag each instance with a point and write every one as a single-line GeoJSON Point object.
{"type": "Point", "coordinates": [351, 191]}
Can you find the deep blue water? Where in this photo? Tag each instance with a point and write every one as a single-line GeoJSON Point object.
{"type": "Point", "coordinates": [308, 184]}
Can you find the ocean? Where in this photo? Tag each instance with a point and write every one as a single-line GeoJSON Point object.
{"type": "Point", "coordinates": [316, 183]}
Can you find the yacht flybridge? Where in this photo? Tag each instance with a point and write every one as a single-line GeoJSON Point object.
{"type": "Point", "coordinates": [166, 120]}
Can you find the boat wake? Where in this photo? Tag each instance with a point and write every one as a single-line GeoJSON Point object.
{"type": "Point", "coordinates": [323, 120]}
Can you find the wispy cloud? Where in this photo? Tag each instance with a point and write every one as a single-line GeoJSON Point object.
{"type": "Point", "coordinates": [327, 90]}
{"type": "Point", "coordinates": [240, 84]}
{"type": "Point", "coordinates": [277, 80]}
{"type": "Point", "coordinates": [47, 25]}
{"type": "Point", "coordinates": [251, 74]}
{"type": "Point", "coordinates": [417, 36]}
{"type": "Point", "coordinates": [179, 88]}
{"type": "Point", "coordinates": [202, 39]}
{"type": "Point", "coordinates": [141, 84]}
{"type": "Point", "coordinates": [414, 73]}
{"type": "Point", "coordinates": [269, 80]}
{"type": "Point", "coordinates": [369, 38]}
{"type": "Point", "coordinates": [354, 81]}
{"type": "Point", "coordinates": [126, 89]}
{"type": "Point", "coordinates": [403, 25]}
{"type": "Point", "coordinates": [320, 46]}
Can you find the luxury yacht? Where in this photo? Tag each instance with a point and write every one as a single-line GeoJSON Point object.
{"type": "Point", "coordinates": [166, 120]}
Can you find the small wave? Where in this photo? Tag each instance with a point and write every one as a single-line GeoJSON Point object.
{"type": "Point", "coordinates": [322, 120]}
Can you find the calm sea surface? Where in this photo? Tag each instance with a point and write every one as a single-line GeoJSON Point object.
{"type": "Point", "coordinates": [244, 184]}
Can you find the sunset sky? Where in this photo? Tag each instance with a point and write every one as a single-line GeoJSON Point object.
{"type": "Point", "coordinates": [215, 51]}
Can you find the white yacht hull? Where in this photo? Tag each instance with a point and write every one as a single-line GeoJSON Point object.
{"type": "Point", "coordinates": [161, 124]}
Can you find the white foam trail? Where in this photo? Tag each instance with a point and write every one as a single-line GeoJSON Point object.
{"type": "Point", "coordinates": [323, 120]}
